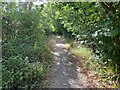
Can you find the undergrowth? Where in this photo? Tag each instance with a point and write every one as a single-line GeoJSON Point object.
{"type": "Point", "coordinates": [102, 70]}
{"type": "Point", "coordinates": [26, 56]}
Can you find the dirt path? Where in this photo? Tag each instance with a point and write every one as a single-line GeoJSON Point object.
{"type": "Point", "coordinates": [65, 73]}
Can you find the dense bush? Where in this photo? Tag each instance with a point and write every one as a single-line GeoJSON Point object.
{"type": "Point", "coordinates": [25, 53]}
{"type": "Point", "coordinates": [97, 26]}
{"type": "Point", "coordinates": [25, 30]}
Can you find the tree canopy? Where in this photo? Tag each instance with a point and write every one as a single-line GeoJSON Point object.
{"type": "Point", "coordinates": [26, 28]}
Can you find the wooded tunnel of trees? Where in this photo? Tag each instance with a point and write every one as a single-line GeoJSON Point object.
{"type": "Point", "coordinates": [26, 28]}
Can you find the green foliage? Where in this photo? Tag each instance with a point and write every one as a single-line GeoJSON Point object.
{"type": "Point", "coordinates": [88, 23]}
{"type": "Point", "coordinates": [95, 25]}
{"type": "Point", "coordinates": [26, 56]}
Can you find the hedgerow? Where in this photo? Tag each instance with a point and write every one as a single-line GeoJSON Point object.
{"type": "Point", "coordinates": [25, 54]}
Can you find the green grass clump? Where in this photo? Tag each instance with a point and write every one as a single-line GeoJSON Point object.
{"type": "Point", "coordinates": [105, 71]}
{"type": "Point", "coordinates": [82, 51]}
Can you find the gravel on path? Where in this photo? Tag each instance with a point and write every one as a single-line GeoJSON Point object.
{"type": "Point", "coordinates": [65, 73]}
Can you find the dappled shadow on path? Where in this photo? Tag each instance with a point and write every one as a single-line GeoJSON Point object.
{"type": "Point", "coordinates": [65, 73]}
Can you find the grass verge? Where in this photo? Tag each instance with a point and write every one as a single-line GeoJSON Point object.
{"type": "Point", "coordinates": [90, 62]}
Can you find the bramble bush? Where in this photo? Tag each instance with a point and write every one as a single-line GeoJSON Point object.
{"type": "Point", "coordinates": [26, 55]}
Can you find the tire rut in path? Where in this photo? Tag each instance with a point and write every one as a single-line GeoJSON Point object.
{"type": "Point", "coordinates": [65, 73]}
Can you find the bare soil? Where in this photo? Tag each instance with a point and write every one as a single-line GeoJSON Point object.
{"type": "Point", "coordinates": [66, 71]}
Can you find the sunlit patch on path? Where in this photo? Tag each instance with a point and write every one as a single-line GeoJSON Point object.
{"type": "Point", "coordinates": [65, 73]}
